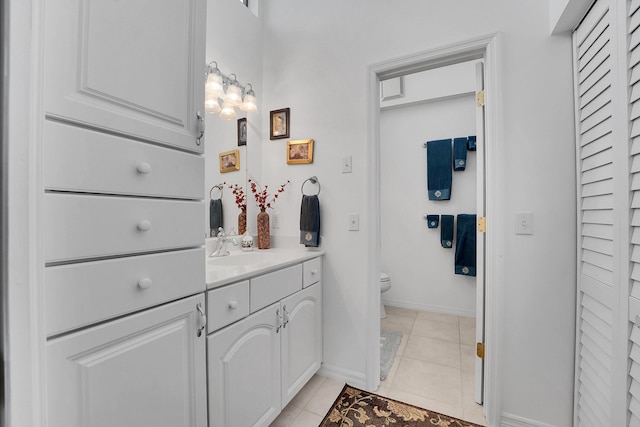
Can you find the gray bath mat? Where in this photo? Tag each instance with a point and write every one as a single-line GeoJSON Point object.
{"type": "Point", "coordinates": [389, 342]}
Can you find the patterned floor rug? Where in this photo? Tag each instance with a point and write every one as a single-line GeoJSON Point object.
{"type": "Point", "coordinates": [355, 407]}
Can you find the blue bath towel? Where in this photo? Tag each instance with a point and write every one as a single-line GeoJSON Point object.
{"type": "Point", "coordinates": [471, 143]}
{"type": "Point", "coordinates": [433, 221]}
{"type": "Point", "coordinates": [215, 216]}
{"type": "Point", "coordinates": [446, 231]}
{"type": "Point", "coordinates": [439, 169]}
{"type": "Point", "coordinates": [465, 258]}
{"type": "Point", "coordinates": [459, 154]}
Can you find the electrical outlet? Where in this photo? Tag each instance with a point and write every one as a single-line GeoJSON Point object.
{"type": "Point", "coordinates": [346, 164]}
{"type": "Point", "coordinates": [354, 222]}
{"type": "Point", "coordinates": [275, 220]}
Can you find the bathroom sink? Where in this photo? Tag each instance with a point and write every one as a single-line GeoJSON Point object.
{"type": "Point", "coordinates": [241, 259]}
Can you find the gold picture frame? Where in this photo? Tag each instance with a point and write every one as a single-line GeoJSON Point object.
{"type": "Point", "coordinates": [229, 161]}
{"type": "Point", "coordinates": [300, 151]}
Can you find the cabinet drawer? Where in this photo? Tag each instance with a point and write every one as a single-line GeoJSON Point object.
{"type": "Point", "coordinates": [311, 272]}
{"type": "Point", "coordinates": [77, 159]}
{"type": "Point", "coordinates": [81, 294]}
{"type": "Point", "coordinates": [272, 287]}
{"type": "Point", "coordinates": [227, 304]}
{"type": "Point", "coordinates": [82, 226]}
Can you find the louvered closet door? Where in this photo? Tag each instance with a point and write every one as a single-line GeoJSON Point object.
{"type": "Point", "coordinates": [634, 299]}
{"type": "Point", "coordinates": [593, 47]}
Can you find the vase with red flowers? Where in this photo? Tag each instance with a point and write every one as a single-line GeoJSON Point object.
{"type": "Point", "coordinates": [241, 202]}
{"type": "Point", "coordinates": [264, 200]}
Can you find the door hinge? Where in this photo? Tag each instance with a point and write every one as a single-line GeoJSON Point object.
{"type": "Point", "coordinates": [482, 224]}
{"type": "Point", "coordinates": [480, 98]}
{"type": "Point", "coordinates": [480, 350]}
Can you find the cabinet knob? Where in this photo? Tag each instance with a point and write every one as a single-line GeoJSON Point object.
{"type": "Point", "coordinates": [314, 272]}
{"type": "Point", "coordinates": [233, 304]}
{"type": "Point", "coordinates": [143, 168]}
{"type": "Point", "coordinates": [144, 225]}
{"type": "Point", "coordinates": [144, 283]}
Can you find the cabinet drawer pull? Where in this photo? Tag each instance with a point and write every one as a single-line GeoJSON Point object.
{"type": "Point", "coordinates": [144, 225]}
{"type": "Point", "coordinates": [233, 304]}
{"type": "Point", "coordinates": [143, 168]}
{"type": "Point", "coordinates": [314, 272]}
{"type": "Point", "coordinates": [144, 283]}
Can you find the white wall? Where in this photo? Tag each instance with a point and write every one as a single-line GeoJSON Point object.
{"type": "Point", "coordinates": [316, 56]}
{"type": "Point", "coordinates": [421, 270]}
{"type": "Point", "coordinates": [234, 42]}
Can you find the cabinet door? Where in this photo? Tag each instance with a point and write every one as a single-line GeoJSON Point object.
{"type": "Point", "coordinates": [301, 339]}
{"type": "Point", "coordinates": [133, 67]}
{"type": "Point", "coordinates": [244, 371]}
{"type": "Point", "coordinates": [146, 369]}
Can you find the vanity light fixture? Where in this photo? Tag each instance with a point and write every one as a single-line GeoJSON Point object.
{"type": "Point", "coordinates": [223, 94]}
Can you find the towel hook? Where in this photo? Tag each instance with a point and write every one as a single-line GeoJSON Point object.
{"type": "Point", "coordinates": [313, 180]}
{"type": "Point", "coordinates": [219, 187]}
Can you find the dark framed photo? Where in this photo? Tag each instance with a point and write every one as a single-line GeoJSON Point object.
{"type": "Point", "coordinates": [279, 124]}
{"type": "Point", "coordinates": [242, 132]}
{"type": "Point", "coordinates": [229, 161]}
{"type": "Point", "coordinates": [300, 151]}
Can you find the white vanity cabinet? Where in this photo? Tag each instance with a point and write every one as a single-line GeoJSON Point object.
{"type": "Point", "coordinates": [123, 188]}
{"type": "Point", "coordinates": [258, 364]}
{"type": "Point", "coordinates": [133, 68]}
{"type": "Point", "coordinates": [147, 369]}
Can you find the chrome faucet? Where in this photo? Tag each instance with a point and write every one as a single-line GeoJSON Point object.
{"type": "Point", "coordinates": [221, 244]}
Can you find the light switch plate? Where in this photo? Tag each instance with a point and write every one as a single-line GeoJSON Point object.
{"type": "Point", "coordinates": [346, 164]}
{"type": "Point", "coordinates": [354, 222]}
{"type": "Point", "coordinates": [524, 223]}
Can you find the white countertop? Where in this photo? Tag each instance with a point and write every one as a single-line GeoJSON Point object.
{"type": "Point", "coordinates": [241, 265]}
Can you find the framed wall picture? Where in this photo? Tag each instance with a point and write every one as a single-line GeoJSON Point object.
{"type": "Point", "coordinates": [242, 132]}
{"type": "Point", "coordinates": [300, 151]}
{"type": "Point", "coordinates": [279, 124]}
{"type": "Point", "coordinates": [229, 161]}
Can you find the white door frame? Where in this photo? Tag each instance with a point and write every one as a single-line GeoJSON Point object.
{"type": "Point", "coordinates": [482, 47]}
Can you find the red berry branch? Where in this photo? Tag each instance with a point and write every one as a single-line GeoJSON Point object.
{"type": "Point", "coordinates": [241, 198]}
{"type": "Point", "coordinates": [262, 195]}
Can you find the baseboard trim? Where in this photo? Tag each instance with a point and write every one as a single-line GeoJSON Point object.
{"type": "Point", "coordinates": [432, 308]}
{"type": "Point", "coordinates": [356, 379]}
{"type": "Point", "coordinates": [510, 420]}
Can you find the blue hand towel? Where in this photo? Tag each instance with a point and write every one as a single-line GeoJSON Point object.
{"type": "Point", "coordinates": [215, 216]}
{"type": "Point", "coordinates": [471, 143]}
{"type": "Point", "coordinates": [310, 221]}
{"type": "Point", "coordinates": [465, 258]}
{"type": "Point", "coordinates": [446, 231]}
{"type": "Point", "coordinates": [433, 221]}
{"type": "Point", "coordinates": [459, 154]}
{"type": "Point", "coordinates": [439, 169]}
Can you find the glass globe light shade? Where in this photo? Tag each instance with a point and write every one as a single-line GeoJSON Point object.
{"type": "Point", "coordinates": [249, 103]}
{"type": "Point", "coordinates": [233, 96]}
{"type": "Point", "coordinates": [213, 88]}
{"type": "Point", "coordinates": [228, 112]}
{"type": "Point", "coordinates": [211, 106]}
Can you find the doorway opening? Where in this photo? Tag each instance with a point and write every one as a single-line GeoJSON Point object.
{"type": "Point", "coordinates": [480, 49]}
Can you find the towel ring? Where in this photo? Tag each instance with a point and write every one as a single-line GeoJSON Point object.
{"type": "Point", "coordinates": [313, 180]}
{"type": "Point", "coordinates": [219, 187]}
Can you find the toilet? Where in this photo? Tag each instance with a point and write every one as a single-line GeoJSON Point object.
{"type": "Point", "coordinates": [385, 285]}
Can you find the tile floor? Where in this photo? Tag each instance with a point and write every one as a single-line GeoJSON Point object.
{"type": "Point", "coordinates": [433, 369]}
